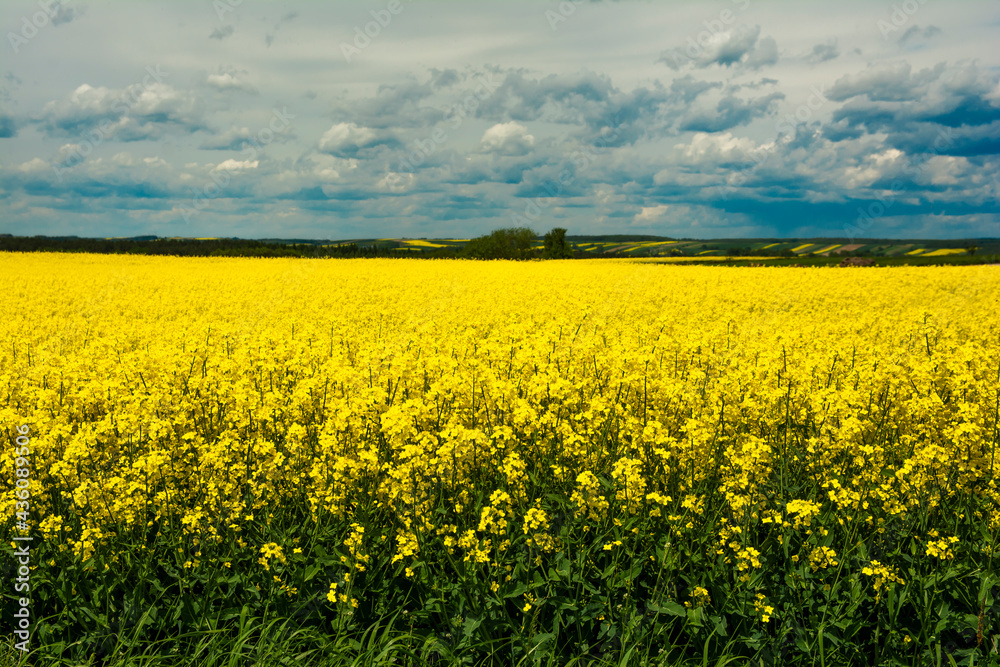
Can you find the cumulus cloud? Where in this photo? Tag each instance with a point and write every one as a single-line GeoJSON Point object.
{"type": "Point", "coordinates": [508, 139]}
{"type": "Point", "coordinates": [34, 165]}
{"type": "Point", "coordinates": [719, 148]}
{"type": "Point", "coordinates": [142, 111]}
{"type": "Point", "coordinates": [730, 112]}
{"type": "Point", "coordinates": [739, 47]}
{"type": "Point", "coordinates": [823, 52]}
{"type": "Point", "coordinates": [230, 140]}
{"type": "Point", "coordinates": [893, 81]}
{"type": "Point", "coordinates": [944, 110]}
{"type": "Point", "coordinates": [229, 78]}
{"type": "Point", "coordinates": [687, 88]}
{"type": "Point", "coordinates": [650, 214]}
{"type": "Point", "coordinates": [236, 165]}
{"type": "Point", "coordinates": [393, 105]}
{"type": "Point", "coordinates": [874, 168]}
{"type": "Point", "coordinates": [558, 98]}
{"type": "Point", "coordinates": [395, 183]}
{"type": "Point", "coordinates": [947, 170]}
{"type": "Point", "coordinates": [353, 140]}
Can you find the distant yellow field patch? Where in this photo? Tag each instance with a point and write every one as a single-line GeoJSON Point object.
{"type": "Point", "coordinates": [917, 251]}
{"type": "Point", "coordinates": [771, 245]}
{"type": "Point", "coordinates": [828, 249]}
{"type": "Point", "coordinates": [424, 244]}
{"type": "Point", "coordinates": [803, 247]}
{"type": "Point", "coordinates": [945, 251]}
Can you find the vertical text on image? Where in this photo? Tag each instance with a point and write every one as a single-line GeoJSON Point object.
{"type": "Point", "coordinates": [22, 472]}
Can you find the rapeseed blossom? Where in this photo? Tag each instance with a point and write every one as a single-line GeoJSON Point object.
{"type": "Point", "coordinates": [428, 410]}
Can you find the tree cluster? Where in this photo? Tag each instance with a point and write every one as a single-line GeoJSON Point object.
{"type": "Point", "coordinates": [518, 243]}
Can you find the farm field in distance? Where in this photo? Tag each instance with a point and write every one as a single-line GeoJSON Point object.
{"type": "Point", "coordinates": [737, 251]}
{"type": "Point", "coordinates": [719, 248]}
{"type": "Point", "coordinates": [456, 462]}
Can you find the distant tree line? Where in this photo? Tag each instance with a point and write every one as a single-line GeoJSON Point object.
{"type": "Point", "coordinates": [517, 243]}
{"type": "Point", "coordinates": [509, 243]}
{"type": "Point", "coordinates": [194, 247]}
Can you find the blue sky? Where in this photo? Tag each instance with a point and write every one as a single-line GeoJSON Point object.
{"type": "Point", "coordinates": [403, 118]}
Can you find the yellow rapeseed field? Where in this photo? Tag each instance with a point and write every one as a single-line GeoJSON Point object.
{"type": "Point", "coordinates": [452, 410]}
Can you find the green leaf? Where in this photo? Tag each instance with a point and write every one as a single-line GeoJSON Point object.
{"type": "Point", "coordinates": [518, 591]}
{"type": "Point", "coordinates": [540, 639]}
{"type": "Point", "coordinates": [470, 625]}
{"type": "Point", "coordinates": [564, 602]}
{"type": "Point", "coordinates": [671, 607]}
{"type": "Point", "coordinates": [719, 623]}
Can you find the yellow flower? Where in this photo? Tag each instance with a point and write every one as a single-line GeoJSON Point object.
{"type": "Point", "coordinates": [822, 557]}
{"type": "Point", "coordinates": [942, 548]}
{"type": "Point", "coordinates": [761, 607]}
{"type": "Point", "coordinates": [885, 577]}
{"type": "Point", "coordinates": [699, 598]}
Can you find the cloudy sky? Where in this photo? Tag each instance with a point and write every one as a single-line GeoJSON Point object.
{"type": "Point", "coordinates": [410, 118]}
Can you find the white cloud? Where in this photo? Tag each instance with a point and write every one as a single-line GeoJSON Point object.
{"type": "Point", "coordinates": [230, 81]}
{"type": "Point", "coordinates": [876, 167]}
{"type": "Point", "coordinates": [650, 213]}
{"type": "Point", "coordinates": [720, 147]}
{"type": "Point", "coordinates": [343, 135]}
{"type": "Point", "coordinates": [33, 165]}
{"type": "Point", "coordinates": [395, 182]}
{"type": "Point", "coordinates": [236, 165]}
{"type": "Point", "coordinates": [510, 138]}
{"type": "Point", "coordinates": [946, 170]}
